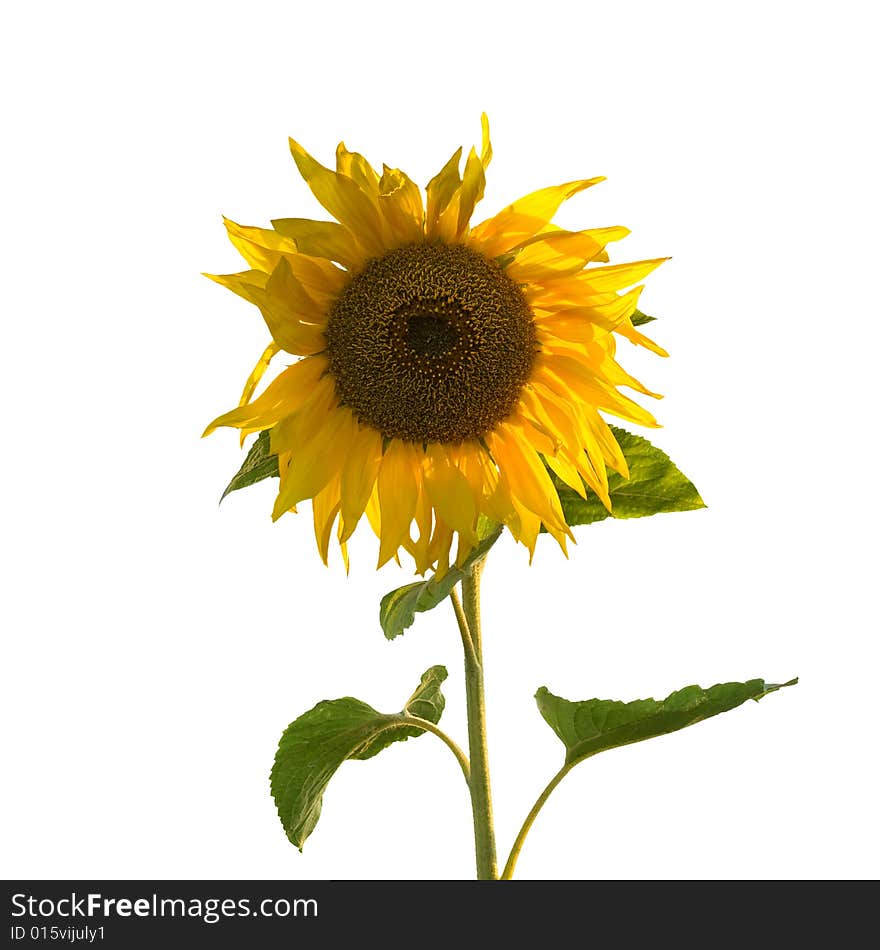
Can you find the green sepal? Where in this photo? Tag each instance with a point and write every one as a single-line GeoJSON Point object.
{"type": "Point", "coordinates": [314, 746]}
{"type": "Point", "coordinates": [398, 608]}
{"type": "Point", "coordinates": [594, 725]}
{"type": "Point", "coordinates": [638, 318]}
{"type": "Point", "coordinates": [260, 463]}
{"type": "Point", "coordinates": [655, 485]}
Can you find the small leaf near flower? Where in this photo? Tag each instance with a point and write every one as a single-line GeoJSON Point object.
{"type": "Point", "coordinates": [315, 745]}
{"type": "Point", "coordinates": [638, 318]}
{"type": "Point", "coordinates": [259, 464]}
{"type": "Point", "coordinates": [595, 725]}
{"type": "Point", "coordinates": [398, 608]}
{"type": "Point", "coordinates": [655, 485]}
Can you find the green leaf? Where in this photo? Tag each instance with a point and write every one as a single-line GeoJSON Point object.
{"type": "Point", "coordinates": [398, 608]}
{"type": "Point", "coordinates": [259, 464]}
{"type": "Point", "coordinates": [315, 745]}
{"type": "Point", "coordinates": [638, 318]}
{"type": "Point", "coordinates": [595, 725]}
{"type": "Point", "coordinates": [654, 485]}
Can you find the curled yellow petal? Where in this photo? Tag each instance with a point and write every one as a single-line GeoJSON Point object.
{"type": "Point", "coordinates": [358, 169]}
{"type": "Point", "coordinates": [327, 239]}
{"type": "Point", "coordinates": [400, 201]}
{"type": "Point", "coordinates": [248, 284]}
{"type": "Point", "coordinates": [295, 321]}
{"type": "Point", "coordinates": [440, 191]}
{"type": "Point", "coordinates": [343, 198]}
{"type": "Point", "coordinates": [264, 249]}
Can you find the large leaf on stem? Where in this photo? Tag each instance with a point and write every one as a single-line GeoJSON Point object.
{"type": "Point", "coordinates": [595, 725]}
{"type": "Point", "coordinates": [315, 745]}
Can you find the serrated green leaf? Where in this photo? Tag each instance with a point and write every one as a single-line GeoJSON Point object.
{"type": "Point", "coordinates": [398, 608]}
{"type": "Point", "coordinates": [259, 464]}
{"type": "Point", "coordinates": [654, 485]}
{"type": "Point", "coordinates": [315, 745]}
{"type": "Point", "coordinates": [427, 702]}
{"type": "Point", "coordinates": [595, 725]}
{"type": "Point", "coordinates": [639, 318]}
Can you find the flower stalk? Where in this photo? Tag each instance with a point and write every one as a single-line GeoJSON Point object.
{"type": "Point", "coordinates": [480, 789]}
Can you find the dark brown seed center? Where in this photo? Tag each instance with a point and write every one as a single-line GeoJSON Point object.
{"type": "Point", "coordinates": [430, 335]}
{"type": "Point", "coordinates": [431, 343]}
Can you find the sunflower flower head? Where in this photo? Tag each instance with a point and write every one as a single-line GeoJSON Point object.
{"type": "Point", "coordinates": [445, 371]}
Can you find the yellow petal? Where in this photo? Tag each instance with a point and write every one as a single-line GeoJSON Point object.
{"type": "Point", "coordinates": [343, 547]}
{"type": "Point", "coordinates": [455, 220]}
{"type": "Point", "coordinates": [569, 421]}
{"type": "Point", "coordinates": [284, 395]}
{"type": "Point", "coordinates": [524, 217]}
{"type": "Point", "coordinates": [256, 375]}
{"type": "Point", "coordinates": [293, 318]}
{"type": "Point", "coordinates": [248, 284]}
{"type": "Point", "coordinates": [358, 169]}
{"type": "Point", "coordinates": [359, 476]}
{"type": "Point", "coordinates": [590, 386]}
{"type": "Point", "coordinates": [609, 446]}
{"type": "Point", "coordinates": [616, 276]}
{"type": "Point", "coordinates": [573, 329]}
{"type": "Point", "coordinates": [344, 199]}
{"type": "Point", "coordinates": [400, 201]}
{"type": "Point", "coordinates": [558, 254]}
{"type": "Point", "coordinates": [632, 334]}
{"type": "Point", "coordinates": [450, 492]}
{"type": "Point", "coordinates": [566, 471]}
{"type": "Point", "coordinates": [300, 425]}
{"type": "Point", "coordinates": [263, 249]}
{"type": "Point", "coordinates": [603, 357]}
{"type": "Point", "coordinates": [607, 312]}
{"type": "Point", "coordinates": [398, 490]}
{"type": "Point", "coordinates": [440, 191]}
{"type": "Point", "coordinates": [419, 549]}
{"type": "Point", "coordinates": [440, 547]}
{"type": "Point", "coordinates": [284, 305]}
{"type": "Point", "coordinates": [327, 239]}
{"type": "Point", "coordinates": [325, 507]}
{"type": "Point", "coordinates": [315, 461]}
{"type": "Point", "coordinates": [529, 482]}
{"type": "Point", "coordinates": [525, 525]}
{"type": "Point", "coordinates": [532, 408]}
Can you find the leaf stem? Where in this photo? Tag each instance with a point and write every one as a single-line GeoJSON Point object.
{"type": "Point", "coordinates": [463, 628]}
{"type": "Point", "coordinates": [456, 750]}
{"type": "Point", "coordinates": [507, 874]}
{"type": "Point", "coordinates": [481, 796]}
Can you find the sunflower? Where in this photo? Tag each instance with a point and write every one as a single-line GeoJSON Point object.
{"type": "Point", "coordinates": [446, 371]}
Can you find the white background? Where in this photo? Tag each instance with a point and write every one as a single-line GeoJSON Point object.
{"type": "Point", "coordinates": [155, 646]}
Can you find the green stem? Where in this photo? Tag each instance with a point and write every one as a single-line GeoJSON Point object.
{"type": "Point", "coordinates": [481, 796]}
{"type": "Point", "coordinates": [429, 726]}
{"type": "Point", "coordinates": [530, 818]}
